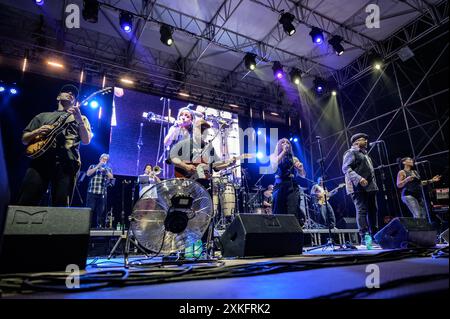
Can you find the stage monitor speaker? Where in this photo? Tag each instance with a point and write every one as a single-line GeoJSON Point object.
{"type": "Point", "coordinates": [251, 235]}
{"type": "Point", "coordinates": [402, 232]}
{"type": "Point", "coordinates": [444, 235]}
{"type": "Point", "coordinates": [347, 223]}
{"type": "Point", "coordinates": [39, 239]}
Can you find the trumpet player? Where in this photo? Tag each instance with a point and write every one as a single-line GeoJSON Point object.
{"type": "Point", "coordinates": [147, 180]}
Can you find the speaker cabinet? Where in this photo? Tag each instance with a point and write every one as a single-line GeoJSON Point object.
{"type": "Point", "coordinates": [404, 232]}
{"type": "Point", "coordinates": [251, 235]}
{"type": "Point", "coordinates": [38, 239]}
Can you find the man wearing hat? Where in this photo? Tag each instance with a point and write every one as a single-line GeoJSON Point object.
{"type": "Point", "coordinates": [360, 183]}
{"type": "Point", "coordinates": [59, 165]}
{"type": "Point", "coordinates": [188, 153]}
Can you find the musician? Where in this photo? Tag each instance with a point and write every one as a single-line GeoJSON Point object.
{"type": "Point", "coordinates": [188, 153]}
{"type": "Point", "coordinates": [408, 180]}
{"type": "Point", "coordinates": [360, 183]}
{"type": "Point", "coordinates": [181, 129]}
{"type": "Point", "coordinates": [286, 192]}
{"type": "Point", "coordinates": [268, 199]}
{"type": "Point", "coordinates": [100, 175]}
{"type": "Point", "coordinates": [59, 165]}
{"type": "Point", "coordinates": [319, 191]}
{"type": "Point", "coordinates": [145, 184]}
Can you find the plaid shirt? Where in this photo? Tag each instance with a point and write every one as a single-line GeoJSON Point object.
{"type": "Point", "coordinates": [98, 182]}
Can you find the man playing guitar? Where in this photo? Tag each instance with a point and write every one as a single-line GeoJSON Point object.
{"type": "Point", "coordinates": [192, 157]}
{"type": "Point", "coordinates": [60, 163]}
{"type": "Point", "coordinates": [319, 191]}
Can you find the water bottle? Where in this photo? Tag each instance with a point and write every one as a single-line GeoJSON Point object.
{"type": "Point", "coordinates": [198, 248]}
{"type": "Point", "coordinates": [118, 227]}
{"type": "Point", "coordinates": [368, 240]}
{"type": "Point", "coordinates": [189, 251]}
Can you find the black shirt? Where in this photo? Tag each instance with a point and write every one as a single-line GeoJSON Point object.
{"type": "Point", "coordinates": [414, 187]}
{"type": "Point", "coordinates": [67, 143]}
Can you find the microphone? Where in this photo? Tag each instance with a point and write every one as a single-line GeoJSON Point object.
{"type": "Point", "coordinates": [376, 142]}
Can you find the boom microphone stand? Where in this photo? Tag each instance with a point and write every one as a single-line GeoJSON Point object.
{"type": "Point", "coordinates": [330, 243]}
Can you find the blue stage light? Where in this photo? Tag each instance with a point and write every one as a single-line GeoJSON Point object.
{"type": "Point", "coordinates": [259, 155]}
{"type": "Point", "coordinates": [290, 139]}
{"type": "Point", "coordinates": [126, 21]}
{"type": "Point", "coordinates": [13, 91]}
{"type": "Point", "coordinates": [2, 89]}
{"type": "Point", "coordinates": [39, 2]}
{"type": "Point", "coordinates": [93, 104]}
{"type": "Point", "coordinates": [295, 139]}
{"type": "Point", "coordinates": [316, 35]}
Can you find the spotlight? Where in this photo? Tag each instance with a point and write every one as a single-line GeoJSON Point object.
{"type": "Point", "coordinates": [13, 91]}
{"type": "Point", "coordinates": [376, 60]}
{"type": "Point", "coordinates": [335, 42]}
{"type": "Point", "coordinates": [286, 21]}
{"type": "Point", "coordinates": [93, 104]}
{"type": "Point", "coordinates": [259, 155]}
{"type": "Point", "coordinates": [377, 65]}
{"type": "Point", "coordinates": [166, 34]}
{"type": "Point", "coordinates": [39, 2]}
{"type": "Point", "coordinates": [126, 21]}
{"type": "Point", "coordinates": [295, 139]}
{"type": "Point", "coordinates": [2, 89]}
{"type": "Point", "coordinates": [316, 35]}
{"type": "Point", "coordinates": [250, 61]}
{"type": "Point", "coordinates": [127, 81]}
{"type": "Point", "coordinates": [90, 10]}
{"type": "Point", "coordinates": [296, 76]}
{"type": "Point", "coordinates": [291, 139]}
{"type": "Point", "coordinates": [259, 132]}
{"type": "Point", "coordinates": [319, 85]}
{"type": "Point", "coordinates": [277, 70]}
{"type": "Point", "coordinates": [334, 93]}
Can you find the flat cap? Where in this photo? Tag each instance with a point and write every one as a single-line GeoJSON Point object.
{"type": "Point", "coordinates": [358, 136]}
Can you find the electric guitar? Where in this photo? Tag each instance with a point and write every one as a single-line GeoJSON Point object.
{"type": "Point", "coordinates": [321, 196]}
{"type": "Point", "coordinates": [202, 169]}
{"type": "Point", "coordinates": [41, 144]}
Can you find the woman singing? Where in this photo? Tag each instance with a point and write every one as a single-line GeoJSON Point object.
{"type": "Point", "coordinates": [286, 190]}
{"type": "Point", "coordinates": [409, 181]}
{"type": "Point", "coordinates": [182, 127]}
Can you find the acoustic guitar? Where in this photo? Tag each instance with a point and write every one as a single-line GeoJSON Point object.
{"type": "Point", "coordinates": [40, 145]}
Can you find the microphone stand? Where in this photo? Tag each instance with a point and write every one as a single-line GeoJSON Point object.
{"type": "Point", "coordinates": [424, 198]}
{"type": "Point", "coordinates": [330, 243]}
{"type": "Point", "coordinates": [139, 146]}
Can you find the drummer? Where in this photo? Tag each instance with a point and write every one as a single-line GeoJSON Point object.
{"type": "Point", "coordinates": [146, 183]}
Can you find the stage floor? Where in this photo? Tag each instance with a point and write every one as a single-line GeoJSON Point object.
{"type": "Point", "coordinates": [398, 278]}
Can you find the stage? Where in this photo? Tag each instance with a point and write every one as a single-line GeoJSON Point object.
{"type": "Point", "coordinates": [316, 273]}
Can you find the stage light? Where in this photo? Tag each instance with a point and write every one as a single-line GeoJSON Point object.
{"type": "Point", "coordinates": [166, 32]}
{"type": "Point", "coordinates": [296, 76]}
{"type": "Point", "coordinates": [274, 113]}
{"type": "Point", "coordinates": [334, 93]}
{"type": "Point", "coordinates": [13, 91]}
{"type": "Point", "coordinates": [259, 132]}
{"type": "Point", "coordinates": [286, 21]}
{"type": "Point", "coordinates": [126, 81]}
{"type": "Point", "coordinates": [184, 94]}
{"type": "Point", "coordinates": [90, 11]}
{"type": "Point", "coordinates": [295, 139]}
{"type": "Point", "coordinates": [335, 42]}
{"type": "Point", "coordinates": [55, 64]}
{"type": "Point", "coordinates": [234, 106]}
{"type": "Point", "coordinates": [290, 139]}
{"type": "Point", "coordinates": [319, 85]}
{"type": "Point", "coordinates": [377, 65]}
{"type": "Point", "coordinates": [126, 21]}
{"type": "Point", "coordinates": [2, 89]}
{"type": "Point", "coordinates": [316, 35]}
{"type": "Point", "coordinates": [93, 104]}
{"type": "Point", "coordinates": [259, 155]}
{"type": "Point", "coordinates": [250, 61]}
{"type": "Point", "coordinates": [39, 2]}
{"type": "Point", "coordinates": [277, 70]}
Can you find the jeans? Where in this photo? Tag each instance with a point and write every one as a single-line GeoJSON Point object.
{"type": "Point", "coordinates": [286, 196]}
{"type": "Point", "coordinates": [97, 203]}
{"type": "Point", "coordinates": [323, 215]}
{"type": "Point", "coordinates": [366, 211]}
{"type": "Point", "coordinates": [41, 174]}
{"type": "Point", "coordinates": [416, 206]}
